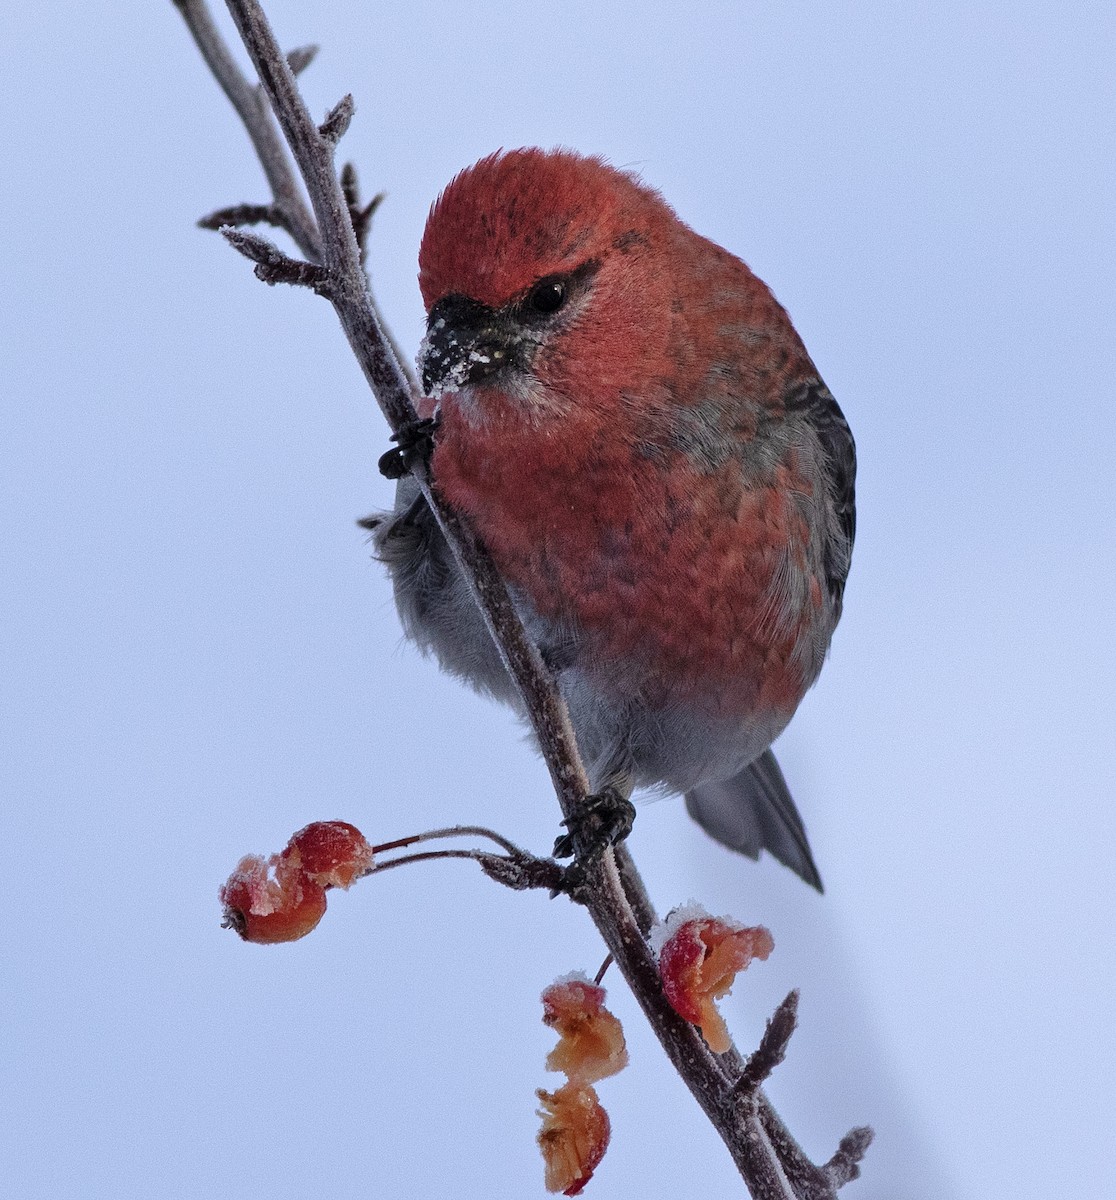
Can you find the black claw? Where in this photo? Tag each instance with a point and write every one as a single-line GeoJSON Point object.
{"type": "Point", "coordinates": [415, 441]}
{"type": "Point", "coordinates": [392, 464]}
{"type": "Point", "coordinates": [601, 820]}
{"type": "Point", "coordinates": [563, 845]}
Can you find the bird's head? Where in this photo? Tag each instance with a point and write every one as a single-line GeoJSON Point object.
{"type": "Point", "coordinates": [538, 272]}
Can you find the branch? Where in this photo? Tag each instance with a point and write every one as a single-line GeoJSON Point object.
{"type": "Point", "coordinates": [844, 1166]}
{"type": "Point", "coordinates": [515, 868]}
{"type": "Point", "coordinates": [252, 108]}
{"type": "Point", "coordinates": [610, 888]}
{"type": "Point", "coordinates": [273, 266]}
{"type": "Point", "coordinates": [771, 1051]}
{"type": "Point", "coordinates": [360, 215]}
{"type": "Point", "coordinates": [243, 214]}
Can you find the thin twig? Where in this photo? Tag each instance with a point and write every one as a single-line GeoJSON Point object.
{"type": "Point", "coordinates": [300, 58]}
{"type": "Point", "coordinates": [515, 868]}
{"type": "Point", "coordinates": [519, 873]}
{"type": "Point", "coordinates": [771, 1050]}
{"type": "Point", "coordinates": [423, 856]}
{"type": "Point", "coordinates": [273, 266]}
{"type": "Point", "coordinates": [336, 124]}
{"type": "Point", "coordinates": [359, 214]}
{"type": "Point", "coordinates": [244, 214]}
{"type": "Point", "coordinates": [256, 117]}
{"type": "Point", "coordinates": [450, 831]}
{"type": "Point", "coordinates": [844, 1166]}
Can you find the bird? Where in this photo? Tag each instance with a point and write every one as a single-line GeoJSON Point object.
{"type": "Point", "coordinates": [627, 417]}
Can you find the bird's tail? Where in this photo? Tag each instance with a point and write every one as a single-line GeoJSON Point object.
{"type": "Point", "coordinates": [753, 811]}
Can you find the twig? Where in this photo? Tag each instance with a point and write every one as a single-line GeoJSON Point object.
{"type": "Point", "coordinates": [273, 266]}
{"type": "Point", "coordinates": [243, 214]}
{"type": "Point", "coordinates": [516, 868]}
{"type": "Point", "coordinates": [520, 873]}
{"type": "Point", "coordinates": [336, 124]}
{"type": "Point", "coordinates": [604, 967]}
{"type": "Point", "coordinates": [450, 831]}
{"type": "Point", "coordinates": [360, 215]}
{"type": "Point", "coordinates": [252, 108]}
{"type": "Point", "coordinates": [300, 58]}
{"type": "Point", "coordinates": [844, 1166]}
{"type": "Point", "coordinates": [771, 1050]}
{"type": "Point", "coordinates": [332, 239]}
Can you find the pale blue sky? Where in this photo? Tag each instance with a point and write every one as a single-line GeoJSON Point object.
{"type": "Point", "coordinates": [199, 656]}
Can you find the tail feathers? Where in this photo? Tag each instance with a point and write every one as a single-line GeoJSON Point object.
{"type": "Point", "coordinates": [753, 811]}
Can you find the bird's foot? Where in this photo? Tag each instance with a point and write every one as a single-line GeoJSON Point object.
{"type": "Point", "coordinates": [603, 819]}
{"type": "Point", "coordinates": [415, 441]}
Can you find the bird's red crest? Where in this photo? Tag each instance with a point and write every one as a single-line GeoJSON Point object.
{"type": "Point", "coordinates": [534, 212]}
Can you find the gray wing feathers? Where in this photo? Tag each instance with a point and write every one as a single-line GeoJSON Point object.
{"type": "Point", "coordinates": [753, 811]}
{"type": "Point", "coordinates": [434, 601]}
{"type": "Point", "coordinates": [815, 402]}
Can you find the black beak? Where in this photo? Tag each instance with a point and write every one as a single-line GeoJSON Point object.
{"type": "Point", "coordinates": [465, 343]}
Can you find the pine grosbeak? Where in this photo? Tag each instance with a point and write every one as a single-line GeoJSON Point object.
{"type": "Point", "coordinates": [634, 428]}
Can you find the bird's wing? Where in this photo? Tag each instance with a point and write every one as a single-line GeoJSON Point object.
{"type": "Point", "coordinates": [815, 402]}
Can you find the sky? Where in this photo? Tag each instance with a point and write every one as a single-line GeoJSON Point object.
{"type": "Point", "coordinates": [199, 655]}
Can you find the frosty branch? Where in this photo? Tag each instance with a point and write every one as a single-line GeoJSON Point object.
{"type": "Point", "coordinates": [330, 233]}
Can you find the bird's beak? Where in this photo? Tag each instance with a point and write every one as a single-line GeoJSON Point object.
{"type": "Point", "coordinates": [465, 343]}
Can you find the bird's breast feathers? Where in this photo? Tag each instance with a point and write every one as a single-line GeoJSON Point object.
{"type": "Point", "coordinates": [666, 562]}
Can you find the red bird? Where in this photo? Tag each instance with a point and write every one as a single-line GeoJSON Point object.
{"type": "Point", "coordinates": [630, 421]}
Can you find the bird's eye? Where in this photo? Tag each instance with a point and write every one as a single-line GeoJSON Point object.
{"type": "Point", "coordinates": [547, 296]}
